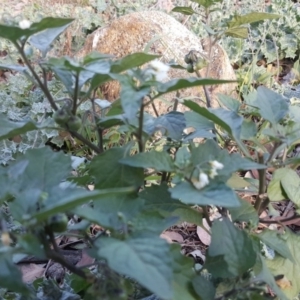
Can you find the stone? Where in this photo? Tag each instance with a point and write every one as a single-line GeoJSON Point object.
{"type": "Point", "coordinates": [159, 33]}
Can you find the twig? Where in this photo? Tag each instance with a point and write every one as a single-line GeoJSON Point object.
{"type": "Point", "coordinates": [140, 130]}
{"type": "Point", "coordinates": [36, 77]}
{"type": "Point", "coordinates": [281, 220]}
{"type": "Point", "coordinates": [56, 256]}
{"type": "Point", "coordinates": [85, 141]}
{"type": "Point", "coordinates": [75, 96]}
{"type": "Point", "coordinates": [261, 202]}
{"type": "Point", "coordinates": [98, 128]}
{"type": "Point", "coordinates": [206, 215]}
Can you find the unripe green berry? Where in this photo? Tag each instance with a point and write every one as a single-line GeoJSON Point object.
{"type": "Point", "coordinates": [59, 222]}
{"type": "Point", "coordinates": [190, 68]}
{"type": "Point", "coordinates": [74, 123]}
{"type": "Point", "coordinates": [61, 116]}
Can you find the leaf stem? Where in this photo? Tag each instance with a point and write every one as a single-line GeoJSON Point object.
{"type": "Point", "coordinates": [85, 141]}
{"type": "Point", "coordinates": [36, 77]}
{"type": "Point", "coordinates": [262, 187]}
{"type": "Point", "coordinates": [76, 92]}
{"type": "Point", "coordinates": [140, 129]}
{"type": "Point", "coordinates": [98, 128]}
{"type": "Point", "coordinates": [57, 257]}
{"type": "Point", "coordinates": [207, 97]}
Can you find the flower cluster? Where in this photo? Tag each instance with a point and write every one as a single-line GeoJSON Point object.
{"type": "Point", "coordinates": [24, 24]}
{"type": "Point", "coordinates": [203, 179]}
{"type": "Point", "coordinates": [158, 70]}
{"type": "Point", "coordinates": [215, 166]}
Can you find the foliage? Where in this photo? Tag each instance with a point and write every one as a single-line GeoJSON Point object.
{"type": "Point", "coordinates": [41, 188]}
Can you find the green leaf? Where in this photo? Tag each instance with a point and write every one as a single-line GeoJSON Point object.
{"type": "Point", "coordinates": [197, 121]}
{"type": "Point", "coordinates": [17, 68]}
{"type": "Point", "coordinates": [95, 56]}
{"type": "Point", "coordinates": [160, 161]}
{"type": "Point", "coordinates": [45, 168]}
{"type": "Point", "coordinates": [275, 241]}
{"type": "Point", "coordinates": [182, 158]}
{"type": "Point", "coordinates": [158, 198]}
{"type": "Point", "coordinates": [171, 124]}
{"type": "Point", "coordinates": [217, 266]}
{"type": "Point", "coordinates": [229, 102]}
{"type": "Point", "coordinates": [112, 210]}
{"type": "Point", "coordinates": [183, 273]}
{"type": "Point", "coordinates": [44, 39]}
{"type": "Point", "coordinates": [272, 106]}
{"type": "Point", "coordinates": [186, 10]}
{"type": "Point", "coordinates": [251, 18]}
{"type": "Point", "coordinates": [108, 122]}
{"type": "Point", "coordinates": [204, 288]}
{"type": "Point", "coordinates": [237, 32]}
{"type": "Point", "coordinates": [232, 120]}
{"type": "Point", "coordinates": [177, 84]}
{"type": "Point", "coordinates": [244, 213]}
{"type": "Point", "coordinates": [216, 193]}
{"type": "Point", "coordinates": [142, 257]}
{"type": "Point", "coordinates": [228, 120]}
{"type": "Point", "coordinates": [237, 182]}
{"type": "Point", "coordinates": [9, 129]}
{"type": "Point", "coordinates": [290, 182]}
{"type": "Point", "coordinates": [10, 276]}
{"type": "Point", "coordinates": [39, 171]}
{"type": "Point", "coordinates": [210, 151]}
{"type": "Point", "coordinates": [206, 3]}
{"type": "Point", "coordinates": [14, 33]}
{"type": "Point", "coordinates": [68, 70]}
{"type": "Point", "coordinates": [108, 172]}
{"type": "Point", "coordinates": [275, 190]}
{"type": "Point", "coordinates": [249, 130]}
{"type": "Point", "coordinates": [131, 61]}
{"type": "Point", "coordinates": [263, 273]}
{"type": "Point", "coordinates": [234, 245]}
{"type": "Point", "coordinates": [131, 97]}
{"type": "Point", "coordinates": [153, 222]}
{"type": "Point", "coordinates": [67, 199]}
{"type": "Point", "coordinates": [284, 266]}
{"type": "Point", "coordinates": [31, 245]}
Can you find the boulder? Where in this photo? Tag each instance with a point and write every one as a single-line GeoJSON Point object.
{"type": "Point", "coordinates": [159, 33]}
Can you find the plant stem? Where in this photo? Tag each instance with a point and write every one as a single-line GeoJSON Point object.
{"type": "Point", "coordinates": [36, 77]}
{"type": "Point", "coordinates": [57, 257]}
{"type": "Point", "coordinates": [206, 215]}
{"type": "Point", "coordinates": [140, 129]}
{"type": "Point", "coordinates": [75, 96]}
{"type": "Point", "coordinates": [98, 128]}
{"type": "Point", "coordinates": [154, 109]}
{"type": "Point", "coordinates": [262, 185]}
{"type": "Point", "coordinates": [85, 141]}
{"type": "Point", "coordinates": [207, 97]}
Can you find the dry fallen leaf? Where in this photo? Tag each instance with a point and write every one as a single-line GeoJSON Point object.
{"type": "Point", "coordinates": [203, 234]}
{"type": "Point", "coordinates": [30, 272]}
{"type": "Point", "coordinates": [172, 236]}
{"type": "Point", "coordinates": [284, 283]}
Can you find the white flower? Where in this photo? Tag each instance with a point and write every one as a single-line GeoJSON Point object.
{"type": "Point", "coordinates": [159, 70]}
{"type": "Point", "coordinates": [216, 165]}
{"type": "Point", "coordinates": [202, 182]}
{"type": "Point", "coordinates": [213, 173]}
{"type": "Point", "coordinates": [24, 24]}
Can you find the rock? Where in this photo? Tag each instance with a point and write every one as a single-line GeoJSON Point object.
{"type": "Point", "coordinates": [159, 33]}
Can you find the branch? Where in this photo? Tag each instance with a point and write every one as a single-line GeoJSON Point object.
{"type": "Point", "coordinates": [139, 134]}
{"type": "Point", "coordinates": [98, 128]}
{"type": "Point", "coordinates": [85, 141]}
{"type": "Point", "coordinates": [36, 77]}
